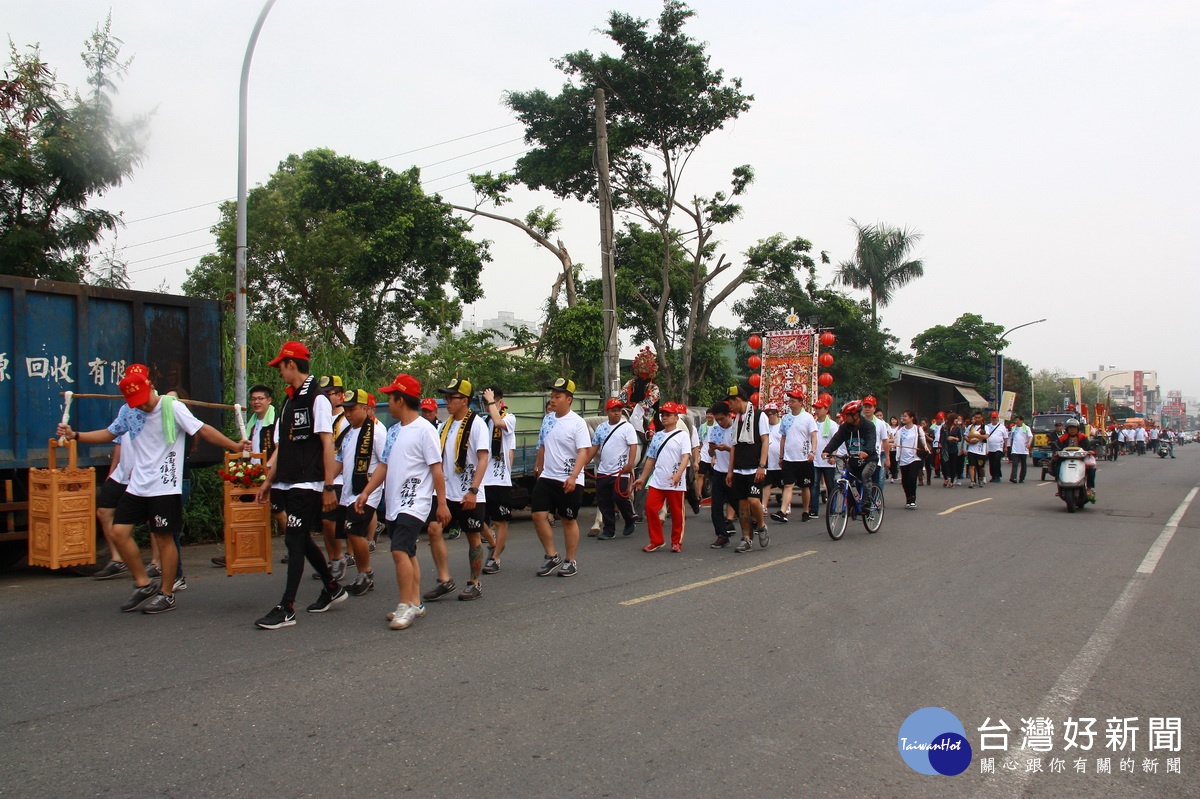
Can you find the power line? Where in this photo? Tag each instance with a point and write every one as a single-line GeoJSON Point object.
{"type": "Point", "coordinates": [468, 169]}
{"type": "Point", "coordinates": [448, 141]}
{"type": "Point", "coordinates": [164, 238]}
{"type": "Point", "coordinates": [176, 252]}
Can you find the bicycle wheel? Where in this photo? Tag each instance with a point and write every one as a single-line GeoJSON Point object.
{"type": "Point", "coordinates": [873, 508]}
{"type": "Point", "coordinates": [836, 513]}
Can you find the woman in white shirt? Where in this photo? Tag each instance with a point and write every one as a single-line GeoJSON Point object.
{"type": "Point", "coordinates": [909, 445]}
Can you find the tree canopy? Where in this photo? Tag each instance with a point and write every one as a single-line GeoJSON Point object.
{"type": "Point", "coordinates": [347, 250]}
{"type": "Point", "coordinates": [963, 350]}
{"type": "Point", "coordinates": [59, 150]}
{"type": "Point", "coordinates": [663, 99]}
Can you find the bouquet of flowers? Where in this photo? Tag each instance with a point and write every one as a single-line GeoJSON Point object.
{"type": "Point", "coordinates": [244, 474]}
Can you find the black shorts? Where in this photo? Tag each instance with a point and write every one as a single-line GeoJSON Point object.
{"type": "Point", "coordinates": [548, 495]}
{"type": "Point", "coordinates": [403, 532]}
{"type": "Point", "coordinates": [704, 468]}
{"type": "Point", "coordinates": [798, 473]}
{"type": "Point", "coordinates": [163, 514]}
{"type": "Point", "coordinates": [744, 487]}
{"type": "Point", "coordinates": [302, 506]}
{"type": "Point", "coordinates": [278, 498]}
{"type": "Point", "coordinates": [334, 515]}
{"type": "Point", "coordinates": [355, 523]}
{"type": "Point", "coordinates": [499, 503]}
{"type": "Point", "coordinates": [470, 521]}
{"type": "Point", "coordinates": [775, 478]}
{"type": "Point", "coordinates": [338, 517]}
{"type": "Point", "coordinates": [432, 517]}
{"type": "Point", "coordinates": [110, 493]}
{"type": "Point", "coordinates": [976, 460]}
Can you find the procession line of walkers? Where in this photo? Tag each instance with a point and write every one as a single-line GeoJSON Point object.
{"type": "Point", "coordinates": [331, 467]}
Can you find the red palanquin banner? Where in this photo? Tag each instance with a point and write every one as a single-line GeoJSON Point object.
{"type": "Point", "coordinates": [789, 361]}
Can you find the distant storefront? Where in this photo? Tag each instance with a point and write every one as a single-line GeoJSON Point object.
{"type": "Point", "coordinates": [925, 393]}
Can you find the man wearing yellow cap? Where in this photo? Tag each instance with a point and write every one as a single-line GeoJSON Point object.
{"type": "Point", "coordinates": [563, 444]}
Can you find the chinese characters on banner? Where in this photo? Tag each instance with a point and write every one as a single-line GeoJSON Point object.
{"type": "Point", "coordinates": [789, 361]}
{"type": "Point", "coordinates": [1139, 396]}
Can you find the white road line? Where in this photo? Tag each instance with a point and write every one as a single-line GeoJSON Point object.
{"type": "Point", "coordinates": [1165, 536]}
{"type": "Point", "coordinates": [948, 511]}
{"type": "Point", "coordinates": [729, 576]}
{"type": "Point", "coordinates": [1057, 704]}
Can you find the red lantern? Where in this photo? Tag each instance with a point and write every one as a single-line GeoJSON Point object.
{"type": "Point", "coordinates": [827, 339]}
{"type": "Point", "coordinates": [754, 341]}
{"type": "Point", "coordinates": [754, 361]}
{"type": "Point", "coordinates": [825, 379]}
{"type": "Point", "coordinates": [825, 360]}
{"type": "Point", "coordinates": [755, 379]}
{"type": "Point", "coordinates": [754, 398]}
{"type": "Point", "coordinates": [826, 399]}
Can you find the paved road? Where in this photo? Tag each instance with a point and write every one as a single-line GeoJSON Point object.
{"type": "Point", "coordinates": [784, 672]}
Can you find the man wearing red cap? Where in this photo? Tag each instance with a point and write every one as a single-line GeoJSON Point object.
{"type": "Point", "coordinates": [997, 440]}
{"type": "Point", "coordinates": [429, 410]}
{"type": "Point", "coordinates": [301, 477]}
{"type": "Point", "coordinates": [798, 450]}
{"type": "Point", "coordinates": [666, 465]}
{"type": "Point", "coordinates": [615, 441]}
{"type": "Point", "coordinates": [155, 430]}
{"type": "Point", "coordinates": [414, 489]}
{"type": "Point", "coordinates": [823, 472]}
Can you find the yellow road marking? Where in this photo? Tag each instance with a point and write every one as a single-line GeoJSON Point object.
{"type": "Point", "coordinates": [729, 576]}
{"type": "Point", "coordinates": [965, 505]}
{"type": "Point", "coordinates": [1040, 485]}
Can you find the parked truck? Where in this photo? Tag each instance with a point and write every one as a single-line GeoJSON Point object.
{"type": "Point", "coordinates": [57, 337]}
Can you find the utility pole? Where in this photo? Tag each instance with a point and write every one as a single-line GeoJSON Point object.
{"type": "Point", "coordinates": [608, 280]}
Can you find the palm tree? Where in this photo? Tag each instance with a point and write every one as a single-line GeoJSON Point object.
{"type": "Point", "coordinates": [879, 266]}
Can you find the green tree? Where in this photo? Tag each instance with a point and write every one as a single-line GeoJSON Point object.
{"type": "Point", "coordinates": [59, 150]}
{"type": "Point", "coordinates": [575, 339]}
{"type": "Point", "coordinates": [347, 251]}
{"type": "Point", "coordinates": [879, 265]}
{"type": "Point", "coordinates": [474, 356]}
{"type": "Point", "coordinates": [663, 100]}
{"type": "Point", "coordinates": [963, 350]}
{"type": "Point", "coordinates": [1018, 379]}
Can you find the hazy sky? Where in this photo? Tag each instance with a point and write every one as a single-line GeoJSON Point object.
{"type": "Point", "coordinates": [1046, 149]}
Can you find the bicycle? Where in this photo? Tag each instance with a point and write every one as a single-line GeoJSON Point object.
{"type": "Point", "coordinates": [849, 501]}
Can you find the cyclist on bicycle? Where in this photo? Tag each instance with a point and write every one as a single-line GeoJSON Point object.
{"type": "Point", "coordinates": [858, 434]}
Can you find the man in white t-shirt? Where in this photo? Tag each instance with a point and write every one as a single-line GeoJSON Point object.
{"type": "Point", "coordinates": [798, 449]}
{"type": "Point", "coordinates": [410, 470]}
{"type": "Point", "coordinates": [976, 450]}
{"type": "Point", "coordinates": [615, 442]}
{"type": "Point", "coordinates": [360, 454]}
{"type": "Point", "coordinates": [464, 441]}
{"type": "Point", "coordinates": [155, 433]}
{"type": "Point", "coordinates": [563, 444]}
{"type": "Point", "coordinates": [1019, 439]}
{"type": "Point", "coordinates": [824, 472]}
{"type": "Point", "coordinates": [720, 448]}
{"type": "Point", "coordinates": [502, 429]}
{"type": "Point", "coordinates": [883, 441]}
{"type": "Point", "coordinates": [774, 459]}
{"type": "Point", "coordinates": [668, 456]}
{"type": "Point", "coordinates": [301, 477]}
{"type": "Point", "coordinates": [997, 440]}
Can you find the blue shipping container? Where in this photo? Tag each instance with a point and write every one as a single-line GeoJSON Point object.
{"type": "Point", "coordinates": [57, 337]}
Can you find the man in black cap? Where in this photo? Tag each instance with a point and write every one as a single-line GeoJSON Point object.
{"type": "Point", "coordinates": [563, 445]}
{"type": "Point", "coordinates": [464, 442]}
{"type": "Point", "coordinates": [751, 442]}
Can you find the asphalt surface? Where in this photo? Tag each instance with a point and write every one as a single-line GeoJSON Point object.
{"type": "Point", "coordinates": [782, 672]}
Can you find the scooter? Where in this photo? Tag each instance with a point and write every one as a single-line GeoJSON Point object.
{"type": "Point", "coordinates": [1072, 477]}
{"type": "Point", "coordinates": [1164, 448]}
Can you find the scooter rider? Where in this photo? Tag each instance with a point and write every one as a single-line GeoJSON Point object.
{"type": "Point", "coordinates": [1073, 438]}
{"type": "Point", "coordinates": [858, 434]}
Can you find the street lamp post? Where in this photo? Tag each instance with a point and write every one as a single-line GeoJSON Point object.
{"type": "Point", "coordinates": [999, 363]}
{"type": "Point", "coordinates": [239, 297]}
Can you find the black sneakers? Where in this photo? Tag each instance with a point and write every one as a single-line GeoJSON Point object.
{"type": "Point", "coordinates": [549, 564]}
{"type": "Point", "coordinates": [781, 517]}
{"type": "Point", "coordinates": [160, 603]}
{"type": "Point", "coordinates": [439, 591]}
{"type": "Point", "coordinates": [326, 600]}
{"type": "Point", "coordinates": [140, 596]}
{"type": "Point", "coordinates": [278, 617]}
{"type": "Point", "coordinates": [471, 591]}
{"type": "Point", "coordinates": [113, 569]}
{"type": "Point", "coordinates": [362, 585]}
